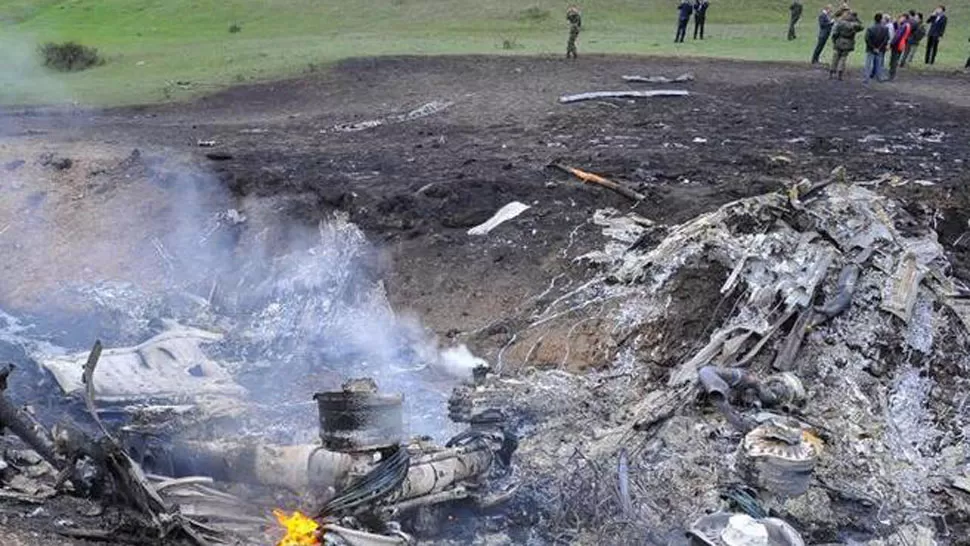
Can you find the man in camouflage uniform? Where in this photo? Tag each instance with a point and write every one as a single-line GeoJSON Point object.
{"type": "Point", "coordinates": [575, 24]}
{"type": "Point", "coordinates": [843, 42]}
{"type": "Point", "coordinates": [794, 14]}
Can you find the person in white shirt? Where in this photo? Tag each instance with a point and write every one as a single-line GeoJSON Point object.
{"type": "Point", "coordinates": [888, 22]}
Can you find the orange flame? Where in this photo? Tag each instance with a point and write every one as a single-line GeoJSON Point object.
{"type": "Point", "coordinates": [300, 530]}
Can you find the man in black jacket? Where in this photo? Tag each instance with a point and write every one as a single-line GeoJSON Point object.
{"type": "Point", "coordinates": [825, 22]}
{"type": "Point", "coordinates": [683, 17]}
{"type": "Point", "coordinates": [795, 13]}
{"type": "Point", "coordinates": [937, 23]}
{"type": "Point", "coordinates": [700, 16]}
{"type": "Point", "coordinates": [877, 40]}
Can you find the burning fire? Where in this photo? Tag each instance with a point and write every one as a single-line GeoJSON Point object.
{"type": "Point", "coordinates": [300, 530]}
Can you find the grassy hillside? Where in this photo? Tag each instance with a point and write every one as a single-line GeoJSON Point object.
{"type": "Point", "coordinates": [152, 45]}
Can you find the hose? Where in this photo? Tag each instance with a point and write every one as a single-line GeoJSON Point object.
{"type": "Point", "coordinates": [380, 482]}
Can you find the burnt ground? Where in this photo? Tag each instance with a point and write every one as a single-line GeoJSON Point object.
{"type": "Point", "coordinates": [416, 186]}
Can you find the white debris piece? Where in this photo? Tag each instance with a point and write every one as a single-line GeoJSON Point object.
{"type": "Point", "coordinates": [627, 228]}
{"type": "Point", "coordinates": [424, 110]}
{"type": "Point", "coordinates": [504, 214]}
{"type": "Point", "coordinates": [169, 365]}
{"type": "Point", "coordinates": [688, 77]}
{"type": "Point", "coordinates": [566, 99]}
{"type": "Point", "coordinates": [743, 530]}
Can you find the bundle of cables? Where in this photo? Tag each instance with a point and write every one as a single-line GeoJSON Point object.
{"type": "Point", "coordinates": [377, 484]}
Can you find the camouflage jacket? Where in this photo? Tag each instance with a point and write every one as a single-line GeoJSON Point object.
{"type": "Point", "coordinates": [843, 34]}
{"type": "Point", "coordinates": [575, 20]}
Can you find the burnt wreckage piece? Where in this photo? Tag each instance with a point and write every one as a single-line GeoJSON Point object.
{"type": "Point", "coordinates": [361, 469]}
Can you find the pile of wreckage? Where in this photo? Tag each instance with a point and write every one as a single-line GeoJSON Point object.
{"type": "Point", "coordinates": [835, 358]}
{"type": "Point", "coordinates": [825, 403]}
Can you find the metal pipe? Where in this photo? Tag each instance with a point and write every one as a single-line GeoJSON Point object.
{"type": "Point", "coordinates": [435, 476]}
{"type": "Point", "coordinates": [299, 468]}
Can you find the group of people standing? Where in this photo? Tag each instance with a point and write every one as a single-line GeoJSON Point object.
{"type": "Point", "coordinates": [686, 8]}
{"type": "Point", "coordinates": [899, 36]}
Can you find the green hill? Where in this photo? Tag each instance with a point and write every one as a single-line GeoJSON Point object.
{"type": "Point", "coordinates": [153, 47]}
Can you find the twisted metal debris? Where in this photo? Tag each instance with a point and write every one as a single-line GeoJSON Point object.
{"type": "Point", "coordinates": [832, 281]}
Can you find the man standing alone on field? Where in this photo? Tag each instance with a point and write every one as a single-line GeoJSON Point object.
{"type": "Point", "coordinates": [795, 13]}
{"type": "Point", "coordinates": [700, 16]}
{"type": "Point", "coordinates": [575, 24]}
{"type": "Point", "coordinates": [683, 17]}
{"type": "Point", "coordinates": [937, 23]}
{"type": "Point", "coordinates": [825, 22]}
{"type": "Point", "coordinates": [843, 42]}
{"type": "Point", "coordinates": [877, 40]}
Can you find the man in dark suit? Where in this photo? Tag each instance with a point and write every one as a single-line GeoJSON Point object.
{"type": "Point", "coordinates": [683, 17]}
{"type": "Point", "coordinates": [825, 22]}
{"type": "Point", "coordinates": [700, 16]}
{"type": "Point", "coordinates": [937, 24]}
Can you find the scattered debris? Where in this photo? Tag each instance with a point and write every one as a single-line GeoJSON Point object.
{"type": "Point", "coordinates": [504, 214]}
{"type": "Point", "coordinates": [594, 95]}
{"type": "Point", "coordinates": [591, 178]}
{"type": "Point", "coordinates": [59, 163]}
{"type": "Point", "coordinates": [932, 136]}
{"type": "Point", "coordinates": [683, 78]}
{"type": "Point", "coordinates": [424, 110]}
{"type": "Point", "coordinates": [756, 271]}
{"type": "Point", "coordinates": [358, 126]}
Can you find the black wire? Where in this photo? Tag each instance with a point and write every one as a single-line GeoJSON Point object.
{"type": "Point", "coordinates": [380, 482]}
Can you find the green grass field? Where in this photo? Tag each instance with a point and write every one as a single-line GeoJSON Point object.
{"type": "Point", "coordinates": [151, 45]}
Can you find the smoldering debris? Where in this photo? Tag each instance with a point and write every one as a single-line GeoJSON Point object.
{"type": "Point", "coordinates": [256, 316]}
{"type": "Point", "coordinates": [882, 376]}
{"type": "Point", "coordinates": [790, 364]}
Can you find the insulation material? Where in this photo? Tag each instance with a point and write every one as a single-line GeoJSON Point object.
{"type": "Point", "coordinates": [169, 365]}
{"type": "Point", "coordinates": [503, 215]}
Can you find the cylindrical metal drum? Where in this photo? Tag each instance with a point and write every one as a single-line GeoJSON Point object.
{"type": "Point", "coordinates": [360, 421]}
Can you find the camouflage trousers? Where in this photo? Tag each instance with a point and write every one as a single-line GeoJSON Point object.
{"type": "Point", "coordinates": [571, 43]}
{"type": "Point", "coordinates": [839, 58]}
